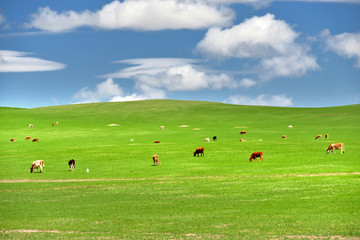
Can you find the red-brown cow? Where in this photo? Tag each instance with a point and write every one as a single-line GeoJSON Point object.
{"type": "Point", "coordinates": [199, 150]}
{"type": "Point", "coordinates": [156, 160]}
{"type": "Point", "coordinates": [255, 155]}
{"type": "Point", "coordinates": [12, 140]}
{"type": "Point", "coordinates": [326, 135]}
{"type": "Point", "coordinates": [334, 146]}
{"type": "Point", "coordinates": [284, 136]}
{"type": "Point", "coordinates": [318, 136]}
{"type": "Point", "coordinates": [27, 138]}
{"type": "Point", "coordinates": [243, 132]}
{"type": "Point", "coordinates": [35, 140]}
{"type": "Point", "coordinates": [157, 142]}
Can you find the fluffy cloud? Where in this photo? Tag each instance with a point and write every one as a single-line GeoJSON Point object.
{"type": "Point", "coordinates": [14, 61]}
{"type": "Point", "coordinates": [346, 45]}
{"type": "Point", "coordinates": [266, 39]}
{"type": "Point", "coordinates": [146, 15]}
{"type": "Point", "coordinates": [261, 100]}
{"type": "Point", "coordinates": [103, 91]}
{"type": "Point", "coordinates": [110, 91]}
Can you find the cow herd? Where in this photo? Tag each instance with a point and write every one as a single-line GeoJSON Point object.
{"type": "Point", "coordinates": [199, 151]}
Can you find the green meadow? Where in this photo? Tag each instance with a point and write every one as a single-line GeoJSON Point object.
{"type": "Point", "coordinates": [297, 192]}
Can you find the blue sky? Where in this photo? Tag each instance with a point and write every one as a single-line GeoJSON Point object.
{"type": "Point", "coordinates": [302, 53]}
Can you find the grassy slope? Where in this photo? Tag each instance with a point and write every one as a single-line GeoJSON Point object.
{"type": "Point", "coordinates": [220, 195]}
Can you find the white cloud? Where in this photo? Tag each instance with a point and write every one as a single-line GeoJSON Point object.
{"type": "Point", "coordinates": [14, 61]}
{"type": "Point", "coordinates": [346, 45]}
{"type": "Point", "coordinates": [109, 91]}
{"type": "Point", "coordinates": [266, 39]}
{"type": "Point", "coordinates": [247, 83]}
{"type": "Point", "coordinates": [146, 15]}
{"type": "Point", "coordinates": [261, 100]}
{"type": "Point", "coordinates": [103, 91]}
{"type": "Point", "coordinates": [171, 74]}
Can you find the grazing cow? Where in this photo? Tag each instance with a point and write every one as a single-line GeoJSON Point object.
{"type": "Point", "coordinates": [318, 136]}
{"type": "Point", "coordinates": [12, 140]}
{"type": "Point", "coordinates": [27, 138]}
{"type": "Point", "coordinates": [207, 139]}
{"type": "Point", "coordinates": [157, 142]}
{"type": "Point", "coordinates": [334, 146]}
{"type": "Point", "coordinates": [290, 126]}
{"type": "Point", "coordinates": [199, 150]}
{"type": "Point", "coordinates": [72, 164]}
{"type": "Point", "coordinates": [326, 135]}
{"type": "Point", "coordinates": [31, 125]}
{"type": "Point", "coordinates": [242, 140]}
{"type": "Point", "coordinates": [243, 132]}
{"type": "Point", "coordinates": [57, 123]}
{"type": "Point", "coordinates": [156, 160]}
{"type": "Point", "coordinates": [214, 138]}
{"type": "Point", "coordinates": [35, 140]}
{"type": "Point", "coordinates": [284, 136]}
{"type": "Point", "coordinates": [162, 127]}
{"type": "Point", "coordinates": [53, 124]}
{"type": "Point", "coordinates": [37, 164]}
{"type": "Point", "coordinates": [255, 155]}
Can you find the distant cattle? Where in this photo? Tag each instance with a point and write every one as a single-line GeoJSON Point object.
{"type": "Point", "coordinates": [243, 132]}
{"type": "Point", "coordinates": [284, 136]}
{"type": "Point", "coordinates": [242, 140]}
{"type": "Point", "coordinates": [27, 138]}
{"type": "Point", "coordinates": [207, 140]}
{"type": "Point", "coordinates": [326, 135]}
{"type": "Point", "coordinates": [12, 140]}
{"type": "Point", "coordinates": [57, 123]}
{"type": "Point", "coordinates": [157, 142]}
{"type": "Point", "coordinates": [162, 127]}
{"type": "Point", "coordinates": [35, 140]}
{"type": "Point", "coordinates": [318, 136]}
{"type": "Point", "coordinates": [72, 164]}
{"type": "Point", "coordinates": [255, 155]}
{"type": "Point", "coordinates": [334, 146]}
{"type": "Point", "coordinates": [214, 138]}
{"type": "Point", "coordinates": [37, 164]}
{"type": "Point", "coordinates": [156, 160]}
{"type": "Point", "coordinates": [290, 126]}
{"type": "Point", "coordinates": [53, 124]}
{"type": "Point", "coordinates": [31, 125]}
{"type": "Point", "coordinates": [199, 150]}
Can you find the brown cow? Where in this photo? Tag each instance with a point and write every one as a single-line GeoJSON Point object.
{"type": "Point", "coordinates": [37, 164]}
{"type": "Point", "coordinates": [284, 136]}
{"type": "Point", "coordinates": [28, 137]}
{"type": "Point", "coordinates": [326, 135]}
{"type": "Point", "coordinates": [157, 142]}
{"type": "Point", "coordinates": [318, 136]}
{"type": "Point", "coordinates": [35, 140]}
{"type": "Point", "coordinates": [255, 155]}
{"type": "Point", "coordinates": [12, 140]}
{"type": "Point", "coordinates": [156, 160]}
{"type": "Point", "coordinates": [334, 146]}
{"type": "Point", "coordinates": [243, 132]}
{"type": "Point", "coordinates": [199, 150]}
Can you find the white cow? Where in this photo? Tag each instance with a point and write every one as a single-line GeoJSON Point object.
{"type": "Point", "coordinates": [207, 139]}
{"type": "Point", "coordinates": [162, 127]}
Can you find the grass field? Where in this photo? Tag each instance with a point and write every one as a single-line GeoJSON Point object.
{"type": "Point", "coordinates": [297, 192]}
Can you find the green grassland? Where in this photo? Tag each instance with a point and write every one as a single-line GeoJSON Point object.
{"type": "Point", "coordinates": [297, 192]}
